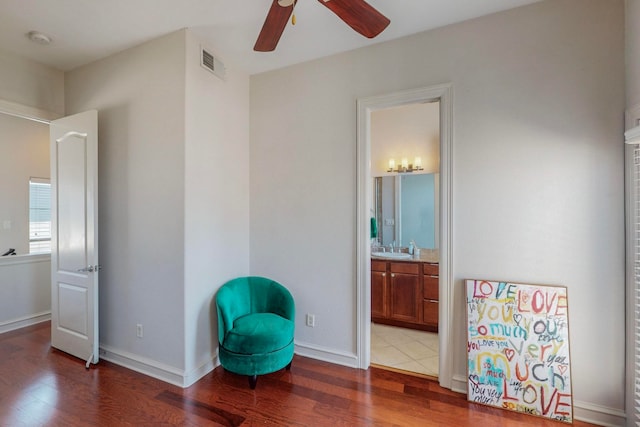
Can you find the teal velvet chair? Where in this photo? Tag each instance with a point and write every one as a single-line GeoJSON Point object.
{"type": "Point", "coordinates": [256, 322]}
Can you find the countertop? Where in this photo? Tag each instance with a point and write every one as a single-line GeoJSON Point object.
{"type": "Point", "coordinates": [426, 255]}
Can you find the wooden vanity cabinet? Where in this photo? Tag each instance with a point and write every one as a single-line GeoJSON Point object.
{"type": "Point", "coordinates": [379, 289]}
{"type": "Point", "coordinates": [430, 294]}
{"type": "Point", "coordinates": [405, 294]}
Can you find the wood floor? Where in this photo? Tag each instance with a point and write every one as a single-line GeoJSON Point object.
{"type": "Point", "coordinates": [40, 386]}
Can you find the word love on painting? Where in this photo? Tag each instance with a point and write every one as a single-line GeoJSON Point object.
{"type": "Point", "coordinates": [518, 348]}
{"type": "Point", "coordinates": [537, 301]}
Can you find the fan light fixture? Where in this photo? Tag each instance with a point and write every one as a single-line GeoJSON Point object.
{"type": "Point", "coordinates": [38, 37]}
{"type": "Point", "coordinates": [358, 14]}
{"type": "Point", "coordinates": [405, 166]}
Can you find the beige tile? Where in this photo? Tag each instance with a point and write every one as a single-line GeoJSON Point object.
{"type": "Point", "coordinates": [397, 339]}
{"type": "Point", "coordinates": [416, 350]}
{"type": "Point", "coordinates": [407, 349]}
{"type": "Point", "coordinates": [430, 365]}
{"type": "Point", "coordinates": [388, 356]}
{"type": "Point", "coordinates": [378, 342]}
{"type": "Point", "coordinates": [431, 341]}
{"type": "Point", "coordinates": [412, 366]}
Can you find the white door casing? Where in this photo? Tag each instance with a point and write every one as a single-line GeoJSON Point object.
{"type": "Point", "coordinates": [74, 235]}
{"type": "Point", "coordinates": [443, 93]}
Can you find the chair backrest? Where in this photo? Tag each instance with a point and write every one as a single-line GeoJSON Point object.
{"type": "Point", "coordinates": [252, 294]}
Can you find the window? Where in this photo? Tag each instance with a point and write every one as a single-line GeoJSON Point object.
{"type": "Point", "coordinates": [39, 215]}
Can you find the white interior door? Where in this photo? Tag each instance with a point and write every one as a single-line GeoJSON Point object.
{"type": "Point", "coordinates": [74, 235]}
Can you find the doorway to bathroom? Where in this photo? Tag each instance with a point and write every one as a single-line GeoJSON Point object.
{"type": "Point", "coordinates": [405, 166]}
{"type": "Point", "coordinates": [404, 145]}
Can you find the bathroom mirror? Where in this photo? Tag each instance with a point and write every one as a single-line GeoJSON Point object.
{"type": "Point", "coordinates": [406, 207]}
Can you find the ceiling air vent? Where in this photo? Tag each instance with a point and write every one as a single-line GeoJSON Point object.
{"type": "Point", "coordinates": [212, 63]}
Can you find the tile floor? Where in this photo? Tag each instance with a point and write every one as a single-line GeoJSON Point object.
{"type": "Point", "coordinates": [405, 349]}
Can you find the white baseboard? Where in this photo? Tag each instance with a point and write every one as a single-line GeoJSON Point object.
{"type": "Point", "coordinates": [193, 376]}
{"type": "Point", "coordinates": [326, 354]}
{"type": "Point", "coordinates": [25, 321]}
{"type": "Point", "coordinates": [459, 384]}
{"type": "Point", "coordinates": [156, 369]}
{"type": "Point", "coordinates": [599, 415]}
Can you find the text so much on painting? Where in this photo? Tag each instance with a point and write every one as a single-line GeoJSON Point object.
{"type": "Point", "coordinates": [518, 348]}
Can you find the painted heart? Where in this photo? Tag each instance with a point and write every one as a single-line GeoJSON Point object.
{"type": "Point", "coordinates": [562, 369]}
{"type": "Point", "coordinates": [517, 317]}
{"type": "Point", "coordinates": [509, 352]}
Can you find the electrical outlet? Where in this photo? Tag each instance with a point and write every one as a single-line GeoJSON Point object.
{"type": "Point", "coordinates": [311, 320]}
{"type": "Point", "coordinates": [139, 331]}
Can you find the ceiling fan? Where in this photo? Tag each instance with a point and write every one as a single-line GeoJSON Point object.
{"type": "Point", "coordinates": [357, 14]}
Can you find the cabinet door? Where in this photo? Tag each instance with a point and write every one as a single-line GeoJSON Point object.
{"type": "Point", "coordinates": [430, 288]}
{"type": "Point", "coordinates": [405, 297]}
{"type": "Point", "coordinates": [379, 294]}
{"type": "Point", "coordinates": [431, 312]}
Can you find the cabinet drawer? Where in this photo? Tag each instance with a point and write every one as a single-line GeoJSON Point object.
{"type": "Point", "coordinates": [430, 287]}
{"type": "Point", "coordinates": [378, 266]}
{"type": "Point", "coordinates": [405, 267]}
{"type": "Point", "coordinates": [430, 312]}
{"type": "Point", "coordinates": [431, 269]}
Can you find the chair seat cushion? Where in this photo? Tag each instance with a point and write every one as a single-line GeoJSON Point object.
{"type": "Point", "coordinates": [259, 333]}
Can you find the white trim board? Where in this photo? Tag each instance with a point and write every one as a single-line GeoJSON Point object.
{"type": "Point", "coordinates": [155, 369]}
{"type": "Point", "coordinates": [23, 322]}
{"type": "Point", "coordinates": [26, 112]}
{"type": "Point", "coordinates": [326, 354]}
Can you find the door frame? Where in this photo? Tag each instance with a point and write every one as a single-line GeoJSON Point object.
{"type": "Point", "coordinates": [365, 106]}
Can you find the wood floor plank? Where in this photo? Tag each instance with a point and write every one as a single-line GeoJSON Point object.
{"type": "Point", "coordinates": [43, 386]}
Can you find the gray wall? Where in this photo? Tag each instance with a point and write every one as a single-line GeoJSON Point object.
{"type": "Point", "coordinates": [139, 95]}
{"type": "Point", "coordinates": [537, 174]}
{"type": "Point", "coordinates": [174, 204]}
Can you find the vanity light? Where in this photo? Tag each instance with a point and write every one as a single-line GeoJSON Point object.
{"type": "Point", "coordinates": [405, 166]}
{"type": "Point", "coordinates": [392, 164]}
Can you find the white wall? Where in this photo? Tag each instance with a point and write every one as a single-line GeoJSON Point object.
{"type": "Point", "coordinates": [406, 131]}
{"type": "Point", "coordinates": [140, 98]}
{"type": "Point", "coordinates": [537, 174]}
{"type": "Point", "coordinates": [25, 290]}
{"type": "Point", "coordinates": [29, 83]}
{"type": "Point", "coordinates": [24, 153]}
{"type": "Point", "coordinates": [632, 43]}
{"type": "Point", "coordinates": [174, 200]}
{"type": "Point", "coordinates": [216, 190]}
{"type": "Point", "coordinates": [35, 90]}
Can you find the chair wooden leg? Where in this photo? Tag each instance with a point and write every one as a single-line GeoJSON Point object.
{"type": "Point", "coordinates": [288, 368]}
{"type": "Point", "coordinates": [253, 380]}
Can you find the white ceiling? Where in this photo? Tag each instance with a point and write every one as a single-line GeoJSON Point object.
{"type": "Point", "coordinates": [86, 30]}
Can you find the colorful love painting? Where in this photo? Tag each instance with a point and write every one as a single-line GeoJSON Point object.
{"type": "Point", "coordinates": [518, 348]}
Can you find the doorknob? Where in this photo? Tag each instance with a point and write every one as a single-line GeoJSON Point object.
{"type": "Point", "coordinates": [90, 269]}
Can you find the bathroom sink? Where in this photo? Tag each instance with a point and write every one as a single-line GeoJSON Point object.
{"type": "Point", "coordinates": [393, 255]}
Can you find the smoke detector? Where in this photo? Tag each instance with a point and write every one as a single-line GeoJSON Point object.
{"type": "Point", "coordinates": [38, 37]}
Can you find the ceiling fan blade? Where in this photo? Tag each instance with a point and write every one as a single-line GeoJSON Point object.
{"type": "Point", "coordinates": [359, 15]}
{"type": "Point", "coordinates": [273, 27]}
